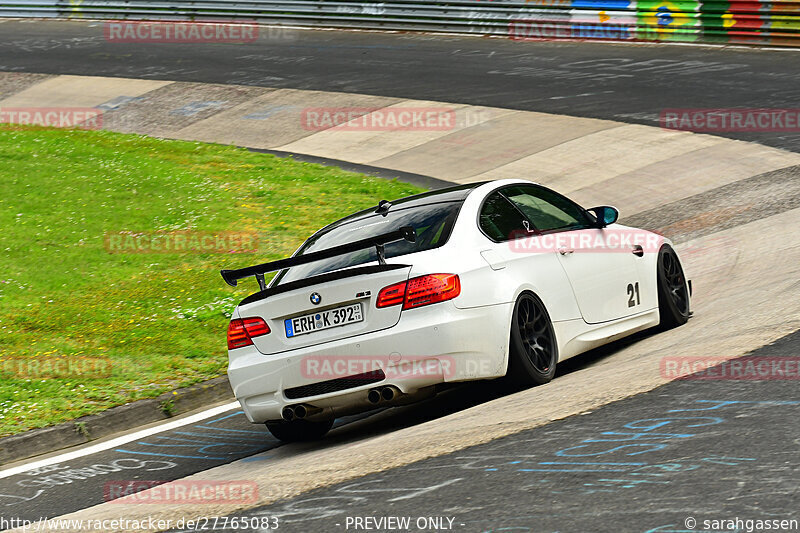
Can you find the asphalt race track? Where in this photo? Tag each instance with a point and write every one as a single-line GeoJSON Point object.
{"type": "Point", "coordinates": [702, 450]}
{"type": "Point", "coordinates": [628, 83]}
{"type": "Point", "coordinates": [64, 487]}
{"type": "Point", "coordinates": [632, 456]}
{"type": "Point", "coordinates": [61, 488]}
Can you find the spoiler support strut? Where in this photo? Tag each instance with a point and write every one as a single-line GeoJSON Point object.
{"type": "Point", "coordinates": [381, 253]}
{"type": "Point", "coordinates": [406, 233]}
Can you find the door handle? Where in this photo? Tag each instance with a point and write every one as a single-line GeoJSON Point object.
{"type": "Point", "coordinates": [565, 251]}
{"type": "Point", "coordinates": [638, 251]}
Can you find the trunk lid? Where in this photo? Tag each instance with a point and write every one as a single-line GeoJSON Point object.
{"type": "Point", "coordinates": [334, 316]}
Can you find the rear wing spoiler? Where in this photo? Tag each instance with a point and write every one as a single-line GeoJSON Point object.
{"type": "Point", "coordinates": [406, 233]}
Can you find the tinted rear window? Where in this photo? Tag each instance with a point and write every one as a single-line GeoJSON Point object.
{"type": "Point", "coordinates": [433, 223]}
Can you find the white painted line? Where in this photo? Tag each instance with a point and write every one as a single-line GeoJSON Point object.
{"type": "Point", "coordinates": [69, 456]}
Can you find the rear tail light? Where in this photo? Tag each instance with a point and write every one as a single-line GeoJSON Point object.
{"type": "Point", "coordinates": [420, 291]}
{"type": "Point", "coordinates": [392, 295]}
{"type": "Point", "coordinates": [431, 289]}
{"type": "Point", "coordinates": [242, 330]}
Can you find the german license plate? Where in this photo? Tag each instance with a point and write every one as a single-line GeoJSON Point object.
{"type": "Point", "coordinates": [331, 318]}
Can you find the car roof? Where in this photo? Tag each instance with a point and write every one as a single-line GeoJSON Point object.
{"type": "Point", "coordinates": [446, 194]}
{"type": "Point", "coordinates": [457, 193]}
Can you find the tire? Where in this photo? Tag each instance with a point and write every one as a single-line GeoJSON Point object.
{"type": "Point", "coordinates": [533, 351]}
{"type": "Point", "coordinates": [673, 292]}
{"type": "Point", "coordinates": [299, 430]}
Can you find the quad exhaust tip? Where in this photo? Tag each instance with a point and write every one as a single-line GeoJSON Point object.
{"type": "Point", "coordinates": [374, 396]}
{"type": "Point", "coordinates": [298, 412]}
{"type": "Point", "coordinates": [382, 394]}
{"type": "Point", "coordinates": [387, 393]}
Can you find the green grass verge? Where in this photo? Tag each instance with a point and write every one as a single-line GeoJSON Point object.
{"type": "Point", "coordinates": [157, 319]}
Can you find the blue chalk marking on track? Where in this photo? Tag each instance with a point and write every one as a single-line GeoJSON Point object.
{"type": "Point", "coordinates": [208, 436]}
{"type": "Point", "coordinates": [582, 463]}
{"type": "Point", "coordinates": [118, 102]}
{"type": "Point", "coordinates": [571, 470]}
{"type": "Point", "coordinates": [194, 108]}
{"type": "Point", "coordinates": [232, 430]}
{"type": "Point", "coordinates": [269, 111]}
{"type": "Point", "coordinates": [725, 403]}
{"type": "Point", "coordinates": [174, 456]}
{"type": "Point", "coordinates": [225, 417]}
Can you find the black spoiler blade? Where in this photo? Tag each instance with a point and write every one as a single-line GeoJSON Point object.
{"type": "Point", "coordinates": [406, 233]}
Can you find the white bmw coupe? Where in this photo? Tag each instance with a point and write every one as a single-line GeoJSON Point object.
{"type": "Point", "coordinates": [479, 281]}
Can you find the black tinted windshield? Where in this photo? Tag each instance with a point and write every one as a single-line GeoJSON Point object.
{"type": "Point", "coordinates": [432, 222]}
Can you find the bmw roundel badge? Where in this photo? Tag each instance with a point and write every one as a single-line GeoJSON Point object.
{"type": "Point", "coordinates": [315, 298]}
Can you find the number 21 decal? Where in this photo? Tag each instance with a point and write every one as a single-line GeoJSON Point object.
{"type": "Point", "coordinates": [633, 294]}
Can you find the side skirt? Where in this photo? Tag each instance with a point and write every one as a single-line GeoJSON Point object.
{"type": "Point", "coordinates": [576, 336]}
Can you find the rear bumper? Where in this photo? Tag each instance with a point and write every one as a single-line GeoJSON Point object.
{"type": "Point", "coordinates": [427, 346]}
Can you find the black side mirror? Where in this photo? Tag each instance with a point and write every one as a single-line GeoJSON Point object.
{"type": "Point", "coordinates": [605, 215]}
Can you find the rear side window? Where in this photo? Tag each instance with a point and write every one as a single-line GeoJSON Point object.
{"type": "Point", "coordinates": [432, 222]}
{"type": "Point", "coordinates": [499, 219]}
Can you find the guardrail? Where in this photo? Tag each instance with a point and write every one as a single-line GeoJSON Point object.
{"type": "Point", "coordinates": [775, 22]}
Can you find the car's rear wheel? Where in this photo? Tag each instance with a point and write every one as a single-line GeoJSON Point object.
{"type": "Point", "coordinates": [673, 292]}
{"type": "Point", "coordinates": [299, 430]}
{"type": "Point", "coordinates": [533, 352]}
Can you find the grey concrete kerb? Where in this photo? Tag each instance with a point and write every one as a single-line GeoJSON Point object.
{"type": "Point", "coordinates": [122, 418]}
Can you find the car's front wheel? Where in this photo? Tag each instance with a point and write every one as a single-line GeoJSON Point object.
{"type": "Point", "coordinates": [673, 292]}
{"type": "Point", "coordinates": [533, 352]}
{"type": "Point", "coordinates": [299, 430]}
